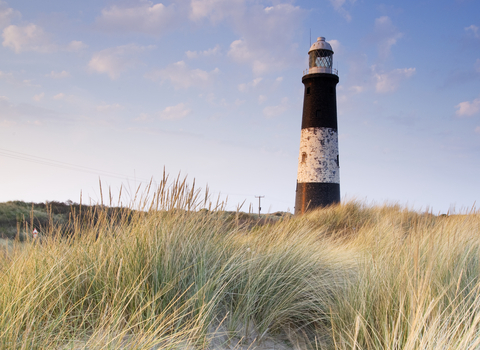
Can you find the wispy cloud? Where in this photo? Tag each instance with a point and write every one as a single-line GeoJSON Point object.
{"type": "Point", "coordinates": [258, 29]}
{"type": "Point", "coordinates": [244, 87]}
{"type": "Point", "coordinates": [27, 38]}
{"type": "Point", "coordinates": [467, 108]}
{"type": "Point", "coordinates": [339, 6]}
{"type": "Point", "coordinates": [356, 89]}
{"type": "Point", "coordinates": [179, 111]}
{"type": "Point", "coordinates": [390, 81]}
{"type": "Point", "coordinates": [58, 75]}
{"type": "Point", "coordinates": [215, 10]}
{"type": "Point", "coordinates": [474, 30]}
{"type": "Point", "coordinates": [113, 61]}
{"type": "Point", "coordinates": [336, 46]}
{"type": "Point", "coordinates": [32, 37]}
{"type": "Point", "coordinates": [39, 97]}
{"type": "Point", "coordinates": [182, 77]}
{"type": "Point", "coordinates": [206, 53]}
{"type": "Point", "coordinates": [274, 111]}
{"type": "Point", "coordinates": [7, 14]}
{"type": "Point", "coordinates": [386, 35]}
{"type": "Point", "coordinates": [109, 108]}
{"type": "Point", "coordinates": [76, 45]}
{"type": "Point", "coordinates": [146, 17]}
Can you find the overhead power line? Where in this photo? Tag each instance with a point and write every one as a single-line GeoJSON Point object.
{"type": "Point", "coordinates": [69, 166]}
{"type": "Point", "coordinates": [63, 165]}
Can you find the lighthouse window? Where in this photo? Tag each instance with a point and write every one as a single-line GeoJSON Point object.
{"type": "Point", "coordinates": [304, 157]}
{"type": "Point", "coordinates": [321, 58]}
{"type": "Point", "coordinates": [308, 90]}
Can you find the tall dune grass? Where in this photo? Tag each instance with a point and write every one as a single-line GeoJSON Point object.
{"type": "Point", "coordinates": [173, 275]}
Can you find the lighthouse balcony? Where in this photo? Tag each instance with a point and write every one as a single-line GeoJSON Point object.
{"type": "Point", "coordinates": [313, 70]}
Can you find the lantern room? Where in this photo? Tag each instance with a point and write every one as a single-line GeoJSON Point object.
{"type": "Point", "coordinates": [320, 58]}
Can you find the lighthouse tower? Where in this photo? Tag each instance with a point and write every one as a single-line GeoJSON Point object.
{"type": "Point", "coordinates": [318, 179]}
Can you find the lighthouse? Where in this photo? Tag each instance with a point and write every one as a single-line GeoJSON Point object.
{"type": "Point", "coordinates": [318, 178]}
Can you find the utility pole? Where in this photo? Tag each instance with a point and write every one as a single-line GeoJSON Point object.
{"type": "Point", "coordinates": [259, 205]}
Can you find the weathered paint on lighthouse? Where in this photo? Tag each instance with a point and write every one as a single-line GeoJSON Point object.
{"type": "Point", "coordinates": [318, 160]}
{"type": "Point", "coordinates": [318, 179]}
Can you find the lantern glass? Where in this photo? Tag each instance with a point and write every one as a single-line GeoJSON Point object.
{"type": "Point", "coordinates": [320, 58]}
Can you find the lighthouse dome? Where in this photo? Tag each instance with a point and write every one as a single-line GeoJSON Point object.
{"type": "Point", "coordinates": [320, 44]}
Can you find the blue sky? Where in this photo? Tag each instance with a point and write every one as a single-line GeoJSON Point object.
{"type": "Point", "coordinates": [212, 89]}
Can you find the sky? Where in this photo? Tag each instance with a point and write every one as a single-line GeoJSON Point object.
{"type": "Point", "coordinates": [118, 91]}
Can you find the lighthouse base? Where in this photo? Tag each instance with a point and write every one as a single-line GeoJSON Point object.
{"type": "Point", "coordinates": [312, 195]}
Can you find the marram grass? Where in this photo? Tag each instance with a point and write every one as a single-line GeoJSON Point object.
{"type": "Point", "coordinates": [173, 276]}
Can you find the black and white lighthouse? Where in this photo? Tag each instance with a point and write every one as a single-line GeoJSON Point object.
{"type": "Point", "coordinates": [318, 179]}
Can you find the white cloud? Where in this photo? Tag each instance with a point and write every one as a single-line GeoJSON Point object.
{"type": "Point", "coordinates": [76, 45]}
{"type": "Point", "coordinates": [183, 77]}
{"type": "Point", "coordinates": [390, 81]}
{"type": "Point", "coordinates": [25, 113]}
{"type": "Point", "coordinates": [115, 60]}
{"type": "Point", "coordinates": [104, 108]}
{"type": "Point", "coordinates": [477, 129]}
{"type": "Point", "coordinates": [29, 83]}
{"type": "Point", "coordinates": [477, 65]}
{"type": "Point", "coordinates": [14, 80]}
{"type": "Point", "coordinates": [261, 62]}
{"type": "Point", "coordinates": [7, 14]}
{"type": "Point", "coordinates": [243, 87]}
{"type": "Point", "coordinates": [467, 108]}
{"type": "Point", "coordinates": [261, 29]}
{"type": "Point", "coordinates": [206, 53]}
{"type": "Point", "coordinates": [27, 38]}
{"type": "Point", "coordinates": [338, 5]}
{"type": "Point", "coordinates": [336, 46]}
{"type": "Point", "coordinates": [274, 111]}
{"type": "Point", "coordinates": [246, 86]}
{"type": "Point", "coordinates": [143, 117]}
{"type": "Point", "coordinates": [147, 18]}
{"type": "Point", "coordinates": [256, 81]}
{"type": "Point", "coordinates": [386, 35]}
{"type": "Point", "coordinates": [356, 89]}
{"type": "Point", "coordinates": [213, 100]}
{"type": "Point", "coordinates": [474, 30]}
{"type": "Point", "coordinates": [59, 96]}
{"type": "Point", "coordinates": [175, 112]}
{"type": "Point", "coordinates": [215, 10]}
{"type": "Point", "coordinates": [58, 75]}
{"type": "Point", "coordinates": [210, 97]}
{"type": "Point", "coordinates": [39, 97]}
{"type": "Point", "coordinates": [262, 99]}
{"type": "Point", "coordinates": [238, 102]}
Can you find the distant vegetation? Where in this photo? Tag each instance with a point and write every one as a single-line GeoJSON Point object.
{"type": "Point", "coordinates": [18, 219]}
{"type": "Point", "coordinates": [181, 273]}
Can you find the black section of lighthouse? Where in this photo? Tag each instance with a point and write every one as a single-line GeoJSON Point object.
{"type": "Point", "coordinates": [318, 179]}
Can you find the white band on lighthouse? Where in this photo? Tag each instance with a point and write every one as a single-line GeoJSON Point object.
{"type": "Point", "coordinates": [318, 160]}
